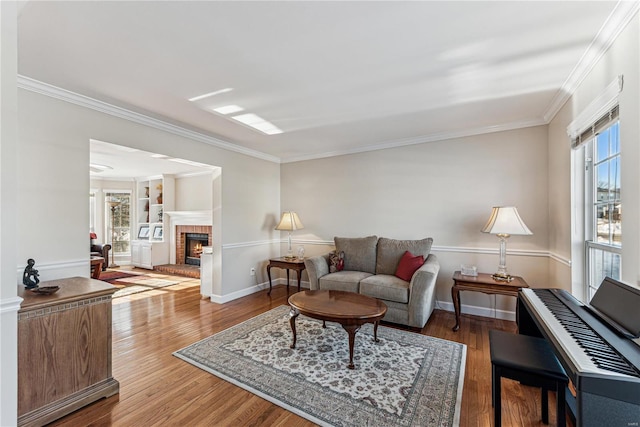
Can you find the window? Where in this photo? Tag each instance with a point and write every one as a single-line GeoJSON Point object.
{"type": "Point", "coordinates": [118, 224]}
{"type": "Point", "coordinates": [603, 213]}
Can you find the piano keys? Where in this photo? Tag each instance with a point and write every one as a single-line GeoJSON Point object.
{"type": "Point", "coordinates": [594, 343]}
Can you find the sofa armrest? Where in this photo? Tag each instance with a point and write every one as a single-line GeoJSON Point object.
{"type": "Point", "coordinates": [103, 251]}
{"type": "Point", "coordinates": [422, 289]}
{"type": "Point", "coordinates": [316, 266]}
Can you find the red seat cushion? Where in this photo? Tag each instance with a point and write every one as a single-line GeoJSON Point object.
{"type": "Point", "coordinates": [408, 265]}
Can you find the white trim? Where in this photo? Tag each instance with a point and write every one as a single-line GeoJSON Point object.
{"type": "Point", "coordinates": [46, 89]}
{"type": "Point", "coordinates": [617, 21]}
{"type": "Point", "coordinates": [478, 311]}
{"type": "Point", "coordinates": [596, 108]}
{"type": "Point", "coordinates": [10, 305]}
{"type": "Point", "coordinates": [453, 249]}
{"type": "Point", "coordinates": [222, 299]}
{"type": "Point", "coordinates": [561, 260]}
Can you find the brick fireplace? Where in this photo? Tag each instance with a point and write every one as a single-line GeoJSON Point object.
{"type": "Point", "coordinates": [181, 239]}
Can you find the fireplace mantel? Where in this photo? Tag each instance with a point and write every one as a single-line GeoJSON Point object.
{"type": "Point", "coordinates": [190, 217]}
{"type": "Point", "coordinates": [182, 218]}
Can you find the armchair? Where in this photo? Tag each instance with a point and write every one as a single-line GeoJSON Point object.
{"type": "Point", "coordinates": [102, 251]}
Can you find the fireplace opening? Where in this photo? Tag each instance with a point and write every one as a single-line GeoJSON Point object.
{"type": "Point", "coordinates": [193, 247]}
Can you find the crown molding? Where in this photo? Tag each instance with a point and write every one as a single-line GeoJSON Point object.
{"type": "Point", "coordinates": [46, 89]}
{"type": "Point", "coordinates": [421, 140]}
{"type": "Point", "coordinates": [616, 22]}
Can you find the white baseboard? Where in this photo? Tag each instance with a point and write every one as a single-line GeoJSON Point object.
{"type": "Point", "coordinates": [478, 311]}
{"type": "Point", "coordinates": [221, 299]}
{"type": "Point", "coordinates": [442, 305]}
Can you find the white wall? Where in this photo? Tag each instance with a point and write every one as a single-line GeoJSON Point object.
{"type": "Point", "coordinates": [621, 59]}
{"type": "Point", "coordinates": [9, 301]}
{"type": "Point", "coordinates": [54, 141]}
{"type": "Point", "coordinates": [193, 193]}
{"type": "Point", "coordinates": [443, 190]}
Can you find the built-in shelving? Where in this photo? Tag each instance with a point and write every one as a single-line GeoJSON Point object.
{"type": "Point", "coordinates": [155, 196]}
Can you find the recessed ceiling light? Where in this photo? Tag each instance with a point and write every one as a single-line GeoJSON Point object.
{"type": "Point", "coordinates": [258, 123]}
{"type": "Point", "coordinates": [206, 95]}
{"type": "Point", "coordinates": [159, 156]}
{"type": "Point", "coordinates": [228, 109]}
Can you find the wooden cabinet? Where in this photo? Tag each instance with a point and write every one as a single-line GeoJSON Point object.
{"type": "Point", "coordinates": [146, 254]}
{"type": "Point", "coordinates": [64, 349]}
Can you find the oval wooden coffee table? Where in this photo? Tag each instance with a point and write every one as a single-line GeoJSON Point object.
{"type": "Point", "coordinates": [349, 309]}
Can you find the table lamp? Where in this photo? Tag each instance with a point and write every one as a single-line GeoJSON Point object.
{"type": "Point", "coordinates": [289, 222]}
{"type": "Point", "coordinates": [504, 222]}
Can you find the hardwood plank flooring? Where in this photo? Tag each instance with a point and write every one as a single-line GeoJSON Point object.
{"type": "Point", "coordinates": [158, 389]}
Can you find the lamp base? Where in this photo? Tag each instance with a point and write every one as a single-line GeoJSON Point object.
{"type": "Point", "coordinates": [502, 277]}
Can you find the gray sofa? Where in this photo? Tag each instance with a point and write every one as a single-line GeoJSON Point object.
{"type": "Point", "coordinates": [370, 265]}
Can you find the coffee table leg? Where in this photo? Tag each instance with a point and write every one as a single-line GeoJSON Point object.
{"type": "Point", "coordinates": [455, 296]}
{"type": "Point", "coordinates": [293, 313]}
{"type": "Point", "coordinates": [375, 331]}
{"type": "Point", "coordinates": [351, 330]}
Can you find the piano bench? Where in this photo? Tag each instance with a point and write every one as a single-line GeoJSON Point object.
{"type": "Point", "coordinates": [529, 360]}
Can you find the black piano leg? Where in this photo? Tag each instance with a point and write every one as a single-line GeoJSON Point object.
{"type": "Point", "coordinates": [562, 404]}
{"type": "Point", "coordinates": [497, 404]}
{"type": "Point", "coordinates": [545, 405]}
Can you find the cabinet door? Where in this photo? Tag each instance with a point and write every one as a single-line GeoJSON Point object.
{"type": "Point", "coordinates": [135, 254]}
{"type": "Point", "coordinates": [145, 256]}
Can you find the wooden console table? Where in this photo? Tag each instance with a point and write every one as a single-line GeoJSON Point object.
{"type": "Point", "coordinates": [484, 283]}
{"type": "Point", "coordinates": [64, 349]}
{"type": "Point", "coordinates": [288, 264]}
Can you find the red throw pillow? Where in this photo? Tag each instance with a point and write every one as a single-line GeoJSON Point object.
{"type": "Point", "coordinates": [408, 265]}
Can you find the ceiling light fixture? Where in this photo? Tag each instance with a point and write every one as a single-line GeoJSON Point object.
{"type": "Point", "coordinates": [206, 95]}
{"type": "Point", "coordinates": [228, 109]}
{"type": "Point", "coordinates": [159, 156]}
{"type": "Point", "coordinates": [258, 123]}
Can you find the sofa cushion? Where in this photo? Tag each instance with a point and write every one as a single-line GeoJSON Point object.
{"type": "Point", "coordinates": [359, 253]}
{"type": "Point", "coordinates": [342, 281]}
{"type": "Point", "coordinates": [386, 287]}
{"type": "Point", "coordinates": [408, 265]}
{"type": "Point", "coordinates": [390, 251]}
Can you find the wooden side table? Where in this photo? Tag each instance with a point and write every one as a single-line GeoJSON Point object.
{"type": "Point", "coordinates": [96, 266]}
{"type": "Point", "coordinates": [288, 264]}
{"type": "Point", "coordinates": [484, 283]}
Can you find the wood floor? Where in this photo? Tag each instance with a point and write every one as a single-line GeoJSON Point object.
{"type": "Point", "coordinates": [158, 389]}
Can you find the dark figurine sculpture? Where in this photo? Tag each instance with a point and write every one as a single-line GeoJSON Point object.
{"type": "Point", "coordinates": [30, 276]}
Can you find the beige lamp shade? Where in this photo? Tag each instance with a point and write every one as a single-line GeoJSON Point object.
{"type": "Point", "coordinates": [505, 220]}
{"type": "Point", "coordinates": [289, 222]}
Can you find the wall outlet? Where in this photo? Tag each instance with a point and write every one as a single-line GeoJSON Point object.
{"type": "Point", "coordinates": [252, 272]}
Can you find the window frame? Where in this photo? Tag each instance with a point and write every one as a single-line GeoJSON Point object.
{"type": "Point", "coordinates": [108, 194]}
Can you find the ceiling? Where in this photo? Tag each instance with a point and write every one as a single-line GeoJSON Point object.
{"type": "Point", "coordinates": [336, 77]}
{"type": "Point", "coordinates": [110, 161]}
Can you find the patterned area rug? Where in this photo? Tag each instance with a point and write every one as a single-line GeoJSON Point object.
{"type": "Point", "coordinates": [406, 379]}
